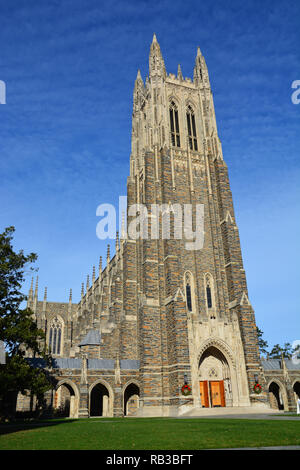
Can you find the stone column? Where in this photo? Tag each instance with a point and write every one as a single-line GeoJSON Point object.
{"type": "Point", "coordinates": [83, 411]}
{"type": "Point", "coordinates": [118, 399]}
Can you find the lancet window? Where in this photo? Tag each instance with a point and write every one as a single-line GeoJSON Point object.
{"type": "Point", "coordinates": [189, 291]}
{"type": "Point", "coordinates": [174, 123]}
{"type": "Point", "coordinates": [191, 127]}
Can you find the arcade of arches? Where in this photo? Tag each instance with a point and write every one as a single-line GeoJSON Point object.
{"type": "Point", "coordinates": [100, 404]}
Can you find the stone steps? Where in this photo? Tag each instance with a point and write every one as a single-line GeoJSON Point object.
{"type": "Point", "coordinates": [234, 410]}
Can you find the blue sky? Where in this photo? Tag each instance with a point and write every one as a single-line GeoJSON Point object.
{"type": "Point", "coordinates": [69, 68]}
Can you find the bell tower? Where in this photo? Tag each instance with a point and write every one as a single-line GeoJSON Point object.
{"type": "Point", "coordinates": [195, 323]}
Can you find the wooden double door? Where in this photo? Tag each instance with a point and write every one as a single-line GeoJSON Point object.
{"type": "Point", "coordinates": [212, 393]}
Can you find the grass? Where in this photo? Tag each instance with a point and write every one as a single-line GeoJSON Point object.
{"type": "Point", "coordinates": [148, 434]}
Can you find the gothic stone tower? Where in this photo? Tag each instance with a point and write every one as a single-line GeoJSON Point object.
{"type": "Point", "coordinates": [163, 312]}
{"type": "Point", "coordinates": [195, 322]}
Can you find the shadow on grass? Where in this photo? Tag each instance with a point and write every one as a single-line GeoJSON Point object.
{"type": "Point", "coordinates": [8, 428]}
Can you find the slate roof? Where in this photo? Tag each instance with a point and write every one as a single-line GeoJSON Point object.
{"type": "Point", "coordinates": [275, 364]}
{"type": "Point", "coordinates": [93, 337]}
{"type": "Point", "coordinates": [93, 364]}
{"type": "Point", "coordinates": [292, 364]}
{"type": "Point", "coordinates": [100, 364]}
{"type": "Point", "coordinates": [57, 363]}
{"type": "Point", "coordinates": [131, 364]}
{"type": "Point", "coordinates": [271, 364]}
{"type": "Point", "coordinates": [66, 363]}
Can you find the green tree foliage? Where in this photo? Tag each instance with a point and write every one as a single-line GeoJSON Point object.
{"type": "Point", "coordinates": [278, 351]}
{"type": "Point", "coordinates": [262, 344]}
{"type": "Point", "coordinates": [18, 330]}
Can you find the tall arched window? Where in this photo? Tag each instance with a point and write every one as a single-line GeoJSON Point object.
{"type": "Point", "coordinates": [208, 296]}
{"type": "Point", "coordinates": [209, 288]}
{"type": "Point", "coordinates": [191, 126]}
{"type": "Point", "coordinates": [188, 297]}
{"type": "Point", "coordinates": [189, 291]}
{"type": "Point", "coordinates": [55, 336]}
{"type": "Point", "coordinates": [174, 123]}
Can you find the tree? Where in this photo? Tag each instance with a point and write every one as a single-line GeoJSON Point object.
{"type": "Point", "coordinates": [262, 344]}
{"type": "Point", "coordinates": [278, 351]}
{"type": "Point", "coordinates": [17, 328]}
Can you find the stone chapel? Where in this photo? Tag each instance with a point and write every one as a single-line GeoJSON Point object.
{"type": "Point", "coordinates": [162, 330]}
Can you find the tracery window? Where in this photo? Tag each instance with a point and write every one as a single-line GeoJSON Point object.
{"type": "Point", "coordinates": [174, 123]}
{"type": "Point", "coordinates": [55, 336]}
{"type": "Point", "coordinates": [191, 127]}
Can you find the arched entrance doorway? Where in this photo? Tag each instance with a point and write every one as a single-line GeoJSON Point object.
{"type": "Point", "coordinates": [99, 400]}
{"type": "Point", "coordinates": [275, 396]}
{"type": "Point", "coordinates": [214, 379]}
{"type": "Point", "coordinates": [296, 388]}
{"type": "Point", "coordinates": [66, 400]}
{"type": "Point", "coordinates": [131, 399]}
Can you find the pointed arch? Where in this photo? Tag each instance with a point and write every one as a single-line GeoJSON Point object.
{"type": "Point", "coordinates": [277, 394]}
{"type": "Point", "coordinates": [219, 344]}
{"type": "Point", "coordinates": [131, 397]}
{"type": "Point", "coordinates": [217, 368]}
{"type": "Point", "coordinates": [66, 397]}
{"type": "Point", "coordinates": [101, 398]}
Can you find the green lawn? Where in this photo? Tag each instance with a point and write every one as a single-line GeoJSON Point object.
{"type": "Point", "coordinates": [148, 434]}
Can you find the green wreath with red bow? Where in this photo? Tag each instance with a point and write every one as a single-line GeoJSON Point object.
{"type": "Point", "coordinates": [186, 390]}
{"type": "Point", "coordinates": [257, 388]}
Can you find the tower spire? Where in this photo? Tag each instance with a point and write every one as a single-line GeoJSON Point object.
{"type": "Point", "coordinates": [123, 228]}
{"type": "Point", "coordinates": [100, 266]}
{"type": "Point", "coordinates": [179, 73]}
{"type": "Point", "coordinates": [138, 84]}
{"type": "Point", "coordinates": [117, 241]}
{"type": "Point", "coordinates": [30, 295]}
{"type": "Point", "coordinates": [200, 70]}
{"type": "Point", "coordinates": [70, 304]}
{"type": "Point", "coordinates": [139, 76]}
{"type": "Point", "coordinates": [36, 288]}
{"type": "Point", "coordinates": [45, 301]}
{"type": "Point", "coordinates": [156, 61]}
{"type": "Point", "coordinates": [45, 294]}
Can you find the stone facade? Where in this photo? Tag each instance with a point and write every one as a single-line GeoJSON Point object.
{"type": "Point", "coordinates": [161, 315]}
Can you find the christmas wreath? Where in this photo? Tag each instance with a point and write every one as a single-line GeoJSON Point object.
{"type": "Point", "coordinates": [257, 388]}
{"type": "Point", "coordinates": [186, 390]}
